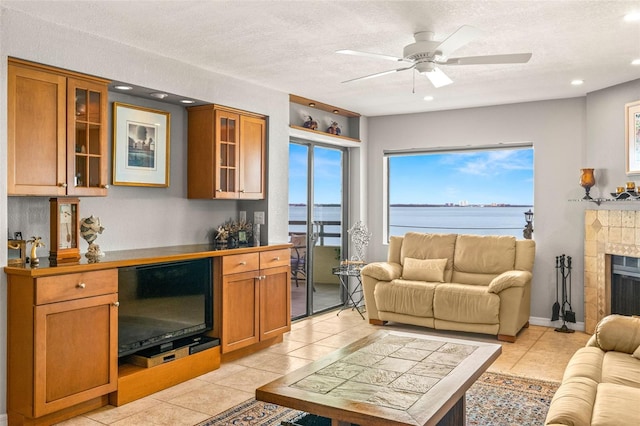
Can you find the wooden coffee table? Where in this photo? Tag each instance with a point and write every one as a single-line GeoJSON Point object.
{"type": "Point", "coordinates": [387, 378]}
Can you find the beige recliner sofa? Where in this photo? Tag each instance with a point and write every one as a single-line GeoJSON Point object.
{"type": "Point", "coordinates": [601, 384]}
{"type": "Point", "coordinates": [479, 284]}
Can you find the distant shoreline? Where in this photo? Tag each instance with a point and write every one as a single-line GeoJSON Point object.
{"type": "Point", "coordinates": [426, 205]}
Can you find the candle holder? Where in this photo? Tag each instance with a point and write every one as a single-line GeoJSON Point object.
{"type": "Point", "coordinates": [587, 180]}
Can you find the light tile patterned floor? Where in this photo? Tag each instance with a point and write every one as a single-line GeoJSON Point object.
{"type": "Point", "coordinates": [539, 352]}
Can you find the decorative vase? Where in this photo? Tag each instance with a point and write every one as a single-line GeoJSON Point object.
{"type": "Point", "coordinates": [90, 227]}
{"type": "Point", "coordinates": [587, 180]}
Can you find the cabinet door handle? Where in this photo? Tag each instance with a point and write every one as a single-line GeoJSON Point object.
{"type": "Point", "coordinates": [116, 304]}
{"type": "Point", "coordinates": [62, 185]}
{"type": "Point", "coordinates": [276, 258]}
{"type": "Point", "coordinates": [242, 190]}
{"type": "Point", "coordinates": [243, 263]}
{"type": "Point", "coordinates": [81, 285]}
{"type": "Point", "coordinates": [261, 277]}
{"type": "Point", "coordinates": [104, 186]}
{"type": "Point", "coordinates": [218, 190]}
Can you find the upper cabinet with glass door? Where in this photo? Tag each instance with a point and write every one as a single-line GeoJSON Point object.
{"type": "Point", "coordinates": [56, 131]}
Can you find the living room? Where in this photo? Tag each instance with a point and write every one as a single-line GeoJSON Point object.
{"type": "Point", "coordinates": [567, 134]}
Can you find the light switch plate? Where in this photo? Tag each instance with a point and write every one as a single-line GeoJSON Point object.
{"type": "Point", "coordinates": [258, 218]}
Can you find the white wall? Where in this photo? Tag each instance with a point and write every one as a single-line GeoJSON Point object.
{"type": "Point", "coordinates": [557, 131]}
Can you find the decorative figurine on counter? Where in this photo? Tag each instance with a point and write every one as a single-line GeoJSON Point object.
{"type": "Point", "coordinates": [90, 227]}
{"type": "Point", "coordinates": [37, 242]}
{"type": "Point", "coordinates": [334, 129]}
{"type": "Point", "coordinates": [310, 124]}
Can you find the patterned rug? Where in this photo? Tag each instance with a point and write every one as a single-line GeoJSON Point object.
{"type": "Point", "coordinates": [494, 400]}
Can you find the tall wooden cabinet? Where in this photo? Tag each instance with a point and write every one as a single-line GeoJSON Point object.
{"type": "Point", "coordinates": [56, 131]}
{"type": "Point", "coordinates": [226, 153]}
{"type": "Point", "coordinates": [62, 346]}
{"type": "Point", "coordinates": [256, 298]}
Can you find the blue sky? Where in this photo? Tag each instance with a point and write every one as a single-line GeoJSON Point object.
{"type": "Point", "coordinates": [478, 177]}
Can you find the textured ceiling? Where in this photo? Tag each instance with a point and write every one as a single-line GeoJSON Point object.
{"type": "Point", "coordinates": [290, 45]}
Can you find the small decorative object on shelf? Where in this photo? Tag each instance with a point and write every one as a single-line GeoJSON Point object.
{"type": "Point", "coordinates": [310, 123]}
{"type": "Point", "coordinates": [36, 242]}
{"type": "Point", "coordinates": [587, 180]}
{"type": "Point", "coordinates": [360, 237]}
{"type": "Point", "coordinates": [16, 252]}
{"type": "Point", "coordinates": [90, 227]}
{"type": "Point", "coordinates": [528, 228]}
{"type": "Point", "coordinates": [334, 129]}
{"type": "Point", "coordinates": [232, 234]}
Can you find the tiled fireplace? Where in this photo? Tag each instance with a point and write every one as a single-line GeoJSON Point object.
{"type": "Point", "coordinates": [607, 232]}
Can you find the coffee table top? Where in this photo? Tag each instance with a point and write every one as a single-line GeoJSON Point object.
{"type": "Point", "coordinates": [388, 377]}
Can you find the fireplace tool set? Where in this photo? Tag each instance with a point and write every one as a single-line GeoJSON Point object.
{"type": "Point", "coordinates": [563, 281]}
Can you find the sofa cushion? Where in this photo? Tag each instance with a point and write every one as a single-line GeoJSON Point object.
{"type": "Point", "coordinates": [466, 303]}
{"type": "Point", "coordinates": [616, 405]}
{"type": "Point", "coordinates": [636, 353]}
{"type": "Point", "coordinates": [405, 297]}
{"type": "Point", "coordinates": [572, 403]}
{"type": "Point", "coordinates": [487, 256]}
{"type": "Point", "coordinates": [429, 246]}
{"type": "Point", "coordinates": [382, 271]}
{"type": "Point", "coordinates": [395, 247]}
{"type": "Point", "coordinates": [586, 362]}
{"type": "Point", "coordinates": [618, 333]}
{"type": "Point", "coordinates": [431, 270]}
{"type": "Point", "coordinates": [622, 369]}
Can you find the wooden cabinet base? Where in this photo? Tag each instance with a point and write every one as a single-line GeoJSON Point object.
{"type": "Point", "coordinates": [17, 419]}
{"type": "Point", "coordinates": [135, 382]}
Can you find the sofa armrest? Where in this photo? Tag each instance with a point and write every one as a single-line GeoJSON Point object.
{"type": "Point", "coordinates": [509, 279]}
{"type": "Point", "coordinates": [617, 333]}
{"type": "Point", "coordinates": [382, 271]}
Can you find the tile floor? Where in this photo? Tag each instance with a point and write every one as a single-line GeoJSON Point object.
{"type": "Point", "coordinates": [539, 352]}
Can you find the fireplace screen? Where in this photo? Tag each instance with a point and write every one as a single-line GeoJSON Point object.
{"type": "Point", "coordinates": [625, 285]}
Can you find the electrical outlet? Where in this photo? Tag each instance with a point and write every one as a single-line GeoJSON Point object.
{"type": "Point", "coordinates": [258, 218]}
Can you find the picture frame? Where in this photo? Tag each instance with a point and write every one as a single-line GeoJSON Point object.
{"type": "Point", "coordinates": [632, 137]}
{"type": "Point", "coordinates": [141, 146]}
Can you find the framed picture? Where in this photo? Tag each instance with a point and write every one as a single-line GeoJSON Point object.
{"type": "Point", "coordinates": [632, 137]}
{"type": "Point", "coordinates": [140, 146]}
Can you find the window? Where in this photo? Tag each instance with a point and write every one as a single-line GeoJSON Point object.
{"type": "Point", "coordinates": [482, 191]}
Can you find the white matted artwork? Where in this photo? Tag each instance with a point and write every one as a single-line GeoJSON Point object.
{"type": "Point", "coordinates": [632, 137]}
{"type": "Point", "coordinates": [140, 146]}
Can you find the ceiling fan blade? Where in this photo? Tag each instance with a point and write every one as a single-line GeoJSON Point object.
{"type": "Point", "coordinates": [462, 36]}
{"type": "Point", "coordinates": [438, 78]}
{"type": "Point", "coordinates": [378, 74]}
{"type": "Point", "coordinates": [369, 55]}
{"type": "Point", "coordinates": [513, 58]}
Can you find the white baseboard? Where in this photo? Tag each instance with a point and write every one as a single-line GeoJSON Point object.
{"type": "Point", "coordinates": [545, 322]}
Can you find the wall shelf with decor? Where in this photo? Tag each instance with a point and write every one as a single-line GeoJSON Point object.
{"type": "Point", "coordinates": [309, 119]}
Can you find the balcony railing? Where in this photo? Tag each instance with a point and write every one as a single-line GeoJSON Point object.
{"type": "Point", "coordinates": [300, 227]}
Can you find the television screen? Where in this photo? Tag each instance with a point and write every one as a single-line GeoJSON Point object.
{"type": "Point", "coordinates": [160, 303]}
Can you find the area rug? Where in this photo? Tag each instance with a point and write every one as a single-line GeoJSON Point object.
{"type": "Point", "coordinates": [494, 400]}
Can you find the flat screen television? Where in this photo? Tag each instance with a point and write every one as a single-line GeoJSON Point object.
{"type": "Point", "coordinates": [163, 302]}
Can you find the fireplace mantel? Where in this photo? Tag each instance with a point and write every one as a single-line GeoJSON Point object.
{"type": "Point", "coordinates": [607, 232]}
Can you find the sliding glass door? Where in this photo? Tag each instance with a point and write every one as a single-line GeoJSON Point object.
{"type": "Point", "coordinates": [316, 226]}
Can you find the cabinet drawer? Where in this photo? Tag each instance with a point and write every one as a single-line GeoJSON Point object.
{"type": "Point", "coordinates": [76, 286]}
{"type": "Point", "coordinates": [274, 258]}
{"type": "Point", "coordinates": [237, 263]}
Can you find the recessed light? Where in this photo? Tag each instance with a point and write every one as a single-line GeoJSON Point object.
{"type": "Point", "coordinates": [335, 111]}
{"type": "Point", "coordinates": [428, 98]}
{"type": "Point", "coordinates": [311, 104]}
{"type": "Point", "coordinates": [123, 87]}
{"type": "Point", "coordinates": [635, 62]}
{"type": "Point", "coordinates": [158, 95]}
{"type": "Point", "coordinates": [632, 17]}
{"type": "Point", "coordinates": [187, 101]}
{"type": "Point", "coordinates": [577, 82]}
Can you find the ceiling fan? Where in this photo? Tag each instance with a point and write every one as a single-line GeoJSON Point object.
{"type": "Point", "coordinates": [426, 53]}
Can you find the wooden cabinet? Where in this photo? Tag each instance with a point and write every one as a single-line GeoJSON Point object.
{"type": "Point", "coordinates": [62, 346]}
{"type": "Point", "coordinates": [56, 132]}
{"type": "Point", "coordinates": [256, 298]}
{"type": "Point", "coordinates": [226, 153]}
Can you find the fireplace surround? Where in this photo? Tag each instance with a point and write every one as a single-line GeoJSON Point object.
{"type": "Point", "coordinates": [607, 233]}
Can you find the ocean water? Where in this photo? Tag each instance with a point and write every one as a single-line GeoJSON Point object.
{"type": "Point", "coordinates": [464, 220]}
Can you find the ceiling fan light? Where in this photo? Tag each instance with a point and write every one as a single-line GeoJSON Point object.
{"type": "Point", "coordinates": [428, 98]}
{"type": "Point", "coordinates": [577, 82]}
{"type": "Point", "coordinates": [635, 62]}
